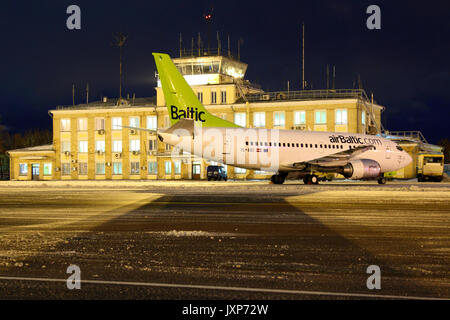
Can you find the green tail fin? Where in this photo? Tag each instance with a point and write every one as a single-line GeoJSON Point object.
{"type": "Point", "coordinates": [181, 101]}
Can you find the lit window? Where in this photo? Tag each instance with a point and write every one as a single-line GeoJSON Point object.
{"type": "Point", "coordinates": [23, 169]}
{"type": "Point", "coordinates": [66, 169]}
{"type": "Point", "coordinates": [239, 119]}
{"type": "Point", "coordinates": [341, 116]}
{"type": "Point", "coordinates": [117, 146]}
{"type": "Point", "coordinates": [134, 167]}
{"type": "Point", "coordinates": [82, 124]}
{"type": "Point", "coordinates": [152, 168]}
{"type": "Point", "coordinates": [259, 119]}
{"type": "Point", "coordinates": [321, 117]}
{"type": "Point", "coordinates": [117, 167]}
{"type": "Point", "coordinates": [177, 167]}
{"type": "Point", "coordinates": [200, 96]}
{"type": "Point", "coordinates": [47, 169]}
{"type": "Point", "coordinates": [65, 124]}
{"type": "Point", "coordinates": [99, 123]}
{"type": "Point", "coordinates": [168, 167]}
{"type": "Point", "coordinates": [166, 122]}
{"type": "Point", "coordinates": [100, 168]}
{"type": "Point", "coordinates": [224, 97]}
{"type": "Point", "coordinates": [151, 122]}
{"type": "Point", "coordinates": [134, 122]}
{"type": "Point", "coordinates": [363, 117]}
{"type": "Point", "coordinates": [65, 146]}
{"type": "Point", "coordinates": [83, 168]}
{"type": "Point", "coordinates": [117, 123]}
{"type": "Point", "coordinates": [82, 146]}
{"type": "Point", "coordinates": [278, 119]}
{"type": "Point", "coordinates": [299, 117]}
{"type": "Point", "coordinates": [135, 145]}
{"type": "Point", "coordinates": [100, 145]}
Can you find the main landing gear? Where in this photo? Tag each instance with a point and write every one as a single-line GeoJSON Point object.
{"type": "Point", "coordinates": [311, 179]}
{"type": "Point", "coordinates": [278, 178]}
{"type": "Point", "coordinates": [381, 180]}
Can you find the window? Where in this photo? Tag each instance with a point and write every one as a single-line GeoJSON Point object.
{"type": "Point", "coordinates": [278, 119]}
{"type": "Point", "coordinates": [83, 168]}
{"type": "Point", "coordinates": [100, 168]}
{"type": "Point", "coordinates": [134, 167]}
{"type": "Point", "coordinates": [47, 169]}
{"type": "Point", "coordinates": [152, 168]}
{"type": "Point", "coordinates": [166, 122]}
{"type": "Point", "coordinates": [239, 170]}
{"type": "Point", "coordinates": [168, 167]}
{"type": "Point", "coordinates": [116, 123]}
{"type": "Point", "coordinates": [134, 122]}
{"type": "Point", "coordinates": [135, 145]}
{"type": "Point", "coordinates": [65, 124]}
{"type": "Point", "coordinates": [82, 124]}
{"type": "Point", "coordinates": [321, 117]}
{"type": "Point", "coordinates": [152, 122]}
{"type": "Point", "coordinates": [213, 97]}
{"type": "Point", "coordinates": [200, 96]}
{"type": "Point", "coordinates": [239, 119]}
{"type": "Point", "coordinates": [259, 119]}
{"type": "Point", "coordinates": [363, 118]}
{"type": "Point", "coordinates": [66, 169]}
{"type": "Point", "coordinates": [23, 169]}
{"type": "Point", "coordinates": [299, 117]}
{"type": "Point", "coordinates": [100, 145]}
{"type": "Point", "coordinates": [224, 96]}
{"type": "Point", "coordinates": [177, 167]}
{"type": "Point", "coordinates": [65, 146]}
{"type": "Point", "coordinates": [117, 146]}
{"type": "Point", "coordinates": [117, 167]}
{"type": "Point", "coordinates": [168, 147]}
{"type": "Point", "coordinates": [82, 146]}
{"type": "Point", "coordinates": [341, 116]}
{"type": "Point", "coordinates": [152, 145]}
{"type": "Point", "coordinates": [99, 123]}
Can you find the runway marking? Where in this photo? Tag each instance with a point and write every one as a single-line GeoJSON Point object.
{"type": "Point", "coordinates": [242, 289]}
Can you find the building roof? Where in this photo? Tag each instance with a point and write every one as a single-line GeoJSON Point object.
{"type": "Point", "coordinates": [113, 103]}
{"type": "Point", "coordinates": [45, 147]}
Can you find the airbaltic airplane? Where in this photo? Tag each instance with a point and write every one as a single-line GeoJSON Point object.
{"type": "Point", "coordinates": [289, 153]}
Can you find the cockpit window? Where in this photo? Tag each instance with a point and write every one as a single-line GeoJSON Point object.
{"type": "Point", "coordinates": [399, 148]}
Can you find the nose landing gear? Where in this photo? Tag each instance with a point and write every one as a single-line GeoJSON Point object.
{"type": "Point", "coordinates": [311, 179]}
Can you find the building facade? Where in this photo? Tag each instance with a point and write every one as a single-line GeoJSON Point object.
{"type": "Point", "coordinates": [90, 143]}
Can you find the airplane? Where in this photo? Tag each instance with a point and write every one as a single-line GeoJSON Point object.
{"type": "Point", "coordinates": [289, 154]}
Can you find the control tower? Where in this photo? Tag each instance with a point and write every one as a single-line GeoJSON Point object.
{"type": "Point", "coordinates": [217, 78]}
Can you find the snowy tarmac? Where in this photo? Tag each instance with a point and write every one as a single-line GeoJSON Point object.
{"type": "Point", "coordinates": [224, 240]}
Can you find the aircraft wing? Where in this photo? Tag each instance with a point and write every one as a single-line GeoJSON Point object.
{"type": "Point", "coordinates": [336, 159]}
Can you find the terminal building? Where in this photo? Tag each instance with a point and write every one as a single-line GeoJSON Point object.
{"type": "Point", "coordinates": [89, 141]}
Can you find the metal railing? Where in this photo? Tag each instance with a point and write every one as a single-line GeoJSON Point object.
{"type": "Point", "coordinates": [408, 135]}
{"type": "Point", "coordinates": [205, 52]}
{"type": "Point", "coordinates": [307, 95]}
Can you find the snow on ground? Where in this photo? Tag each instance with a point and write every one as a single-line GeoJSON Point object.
{"type": "Point", "coordinates": [231, 186]}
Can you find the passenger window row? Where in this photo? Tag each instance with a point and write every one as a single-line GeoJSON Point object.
{"type": "Point", "coordinates": [293, 145]}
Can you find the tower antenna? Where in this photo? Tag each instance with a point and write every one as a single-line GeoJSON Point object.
{"type": "Point", "coordinates": [120, 40]}
{"type": "Point", "coordinates": [303, 56]}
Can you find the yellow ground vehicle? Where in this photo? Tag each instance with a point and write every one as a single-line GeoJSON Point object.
{"type": "Point", "coordinates": [430, 167]}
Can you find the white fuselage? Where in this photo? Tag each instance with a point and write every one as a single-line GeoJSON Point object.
{"type": "Point", "coordinates": [279, 150]}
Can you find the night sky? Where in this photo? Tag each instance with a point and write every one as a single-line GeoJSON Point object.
{"type": "Point", "coordinates": [405, 64]}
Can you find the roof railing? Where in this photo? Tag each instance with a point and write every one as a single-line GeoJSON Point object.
{"type": "Point", "coordinates": [308, 95]}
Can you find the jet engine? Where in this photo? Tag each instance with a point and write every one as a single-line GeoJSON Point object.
{"type": "Point", "coordinates": [361, 169]}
